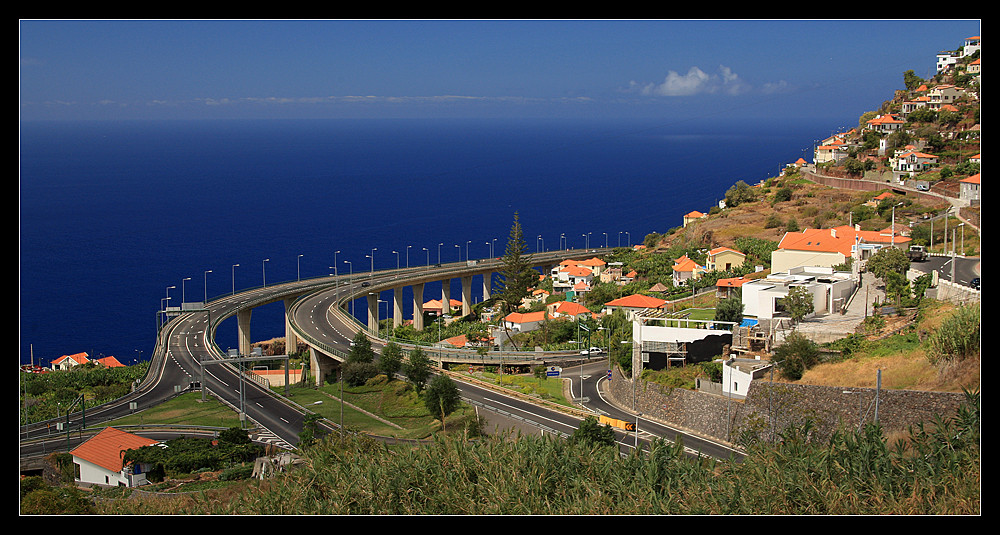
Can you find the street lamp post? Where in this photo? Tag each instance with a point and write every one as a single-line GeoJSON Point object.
{"type": "Point", "coordinates": [428, 257]}
{"type": "Point", "coordinates": [206, 284]}
{"type": "Point", "coordinates": [234, 277]}
{"type": "Point", "coordinates": [350, 277]}
{"type": "Point", "coordinates": [408, 256]}
{"type": "Point", "coordinates": [185, 279]}
{"type": "Point", "coordinates": [263, 271]}
{"type": "Point", "coordinates": [298, 268]}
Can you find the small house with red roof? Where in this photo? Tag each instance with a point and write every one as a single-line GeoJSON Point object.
{"type": "Point", "coordinates": [969, 189]}
{"type": "Point", "coordinates": [109, 362]}
{"type": "Point", "coordinates": [568, 309]}
{"type": "Point", "coordinates": [885, 124]}
{"type": "Point", "coordinates": [832, 246]}
{"type": "Point", "coordinates": [100, 460]}
{"type": "Point", "coordinates": [634, 304]}
{"type": "Point", "coordinates": [726, 288]}
{"type": "Point", "coordinates": [693, 216]}
{"type": "Point", "coordinates": [68, 362]}
{"type": "Point", "coordinates": [686, 269]}
{"type": "Point", "coordinates": [724, 259]}
{"type": "Point", "coordinates": [524, 321]}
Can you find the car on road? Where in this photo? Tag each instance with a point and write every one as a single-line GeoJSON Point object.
{"type": "Point", "coordinates": [975, 283]}
{"type": "Point", "coordinates": [365, 284]}
{"type": "Point", "coordinates": [591, 351]}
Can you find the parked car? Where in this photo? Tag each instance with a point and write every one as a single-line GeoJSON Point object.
{"type": "Point", "coordinates": [975, 283]}
{"type": "Point", "coordinates": [591, 351]}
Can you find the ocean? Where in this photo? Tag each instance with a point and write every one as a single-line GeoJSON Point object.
{"type": "Point", "coordinates": [112, 214]}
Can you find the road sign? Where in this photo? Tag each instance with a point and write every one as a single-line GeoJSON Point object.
{"type": "Point", "coordinates": [553, 371]}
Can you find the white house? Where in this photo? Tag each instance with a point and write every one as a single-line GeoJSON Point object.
{"type": "Point", "coordinates": [67, 362]}
{"type": "Point", "coordinates": [99, 460]}
{"type": "Point", "coordinates": [969, 189]}
{"type": "Point", "coordinates": [737, 374]}
{"type": "Point", "coordinates": [830, 291]}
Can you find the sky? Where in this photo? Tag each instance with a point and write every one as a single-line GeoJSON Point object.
{"type": "Point", "coordinates": [249, 69]}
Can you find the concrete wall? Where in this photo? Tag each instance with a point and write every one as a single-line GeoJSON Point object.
{"type": "Point", "coordinates": [775, 406]}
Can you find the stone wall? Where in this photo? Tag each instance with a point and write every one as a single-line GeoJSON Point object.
{"type": "Point", "coordinates": [772, 407]}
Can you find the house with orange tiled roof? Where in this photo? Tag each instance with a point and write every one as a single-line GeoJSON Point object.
{"type": "Point", "coordinates": [725, 288]}
{"type": "Point", "coordinates": [633, 304]}
{"type": "Point", "coordinates": [969, 189]}
{"type": "Point", "coordinates": [831, 247]}
{"type": "Point", "coordinates": [693, 216]}
{"type": "Point", "coordinates": [944, 94]}
{"type": "Point", "coordinates": [566, 276]}
{"type": "Point", "coordinates": [911, 163]}
{"type": "Point", "coordinates": [831, 152]}
{"type": "Point", "coordinates": [67, 362]}
{"type": "Point", "coordinates": [686, 269]}
{"type": "Point", "coordinates": [109, 362]}
{"type": "Point", "coordinates": [568, 309]}
{"type": "Point", "coordinates": [724, 259]}
{"type": "Point", "coordinates": [434, 306]}
{"type": "Point", "coordinates": [99, 460]}
{"type": "Point", "coordinates": [524, 321]}
{"type": "Point", "coordinates": [911, 106]}
{"type": "Point", "coordinates": [885, 124]}
{"type": "Point", "coordinates": [974, 67]}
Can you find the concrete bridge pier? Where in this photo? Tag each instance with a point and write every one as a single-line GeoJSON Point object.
{"type": "Point", "coordinates": [466, 295]}
{"type": "Point", "coordinates": [372, 312]}
{"type": "Point", "coordinates": [487, 285]}
{"type": "Point", "coordinates": [321, 365]}
{"type": "Point", "coordinates": [243, 331]}
{"type": "Point", "coordinates": [445, 296]}
{"type": "Point", "coordinates": [291, 340]}
{"type": "Point", "coordinates": [397, 307]}
{"type": "Point", "coordinates": [418, 306]}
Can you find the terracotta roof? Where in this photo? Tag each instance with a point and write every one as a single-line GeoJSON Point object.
{"type": "Point", "coordinates": [109, 362]}
{"type": "Point", "coordinates": [918, 154]}
{"type": "Point", "coordinates": [105, 448]}
{"type": "Point", "coordinates": [974, 179]}
{"type": "Point", "coordinates": [835, 240]}
{"type": "Point", "coordinates": [694, 213]}
{"type": "Point", "coordinates": [570, 308]}
{"type": "Point", "coordinates": [685, 264]}
{"type": "Point", "coordinates": [576, 271]}
{"type": "Point", "coordinates": [734, 282]}
{"type": "Point", "coordinates": [525, 317]}
{"type": "Point", "coordinates": [637, 301]}
{"type": "Point", "coordinates": [79, 358]}
{"type": "Point", "coordinates": [885, 119]}
{"type": "Point", "coordinates": [592, 262]}
{"type": "Point", "coordinates": [718, 250]}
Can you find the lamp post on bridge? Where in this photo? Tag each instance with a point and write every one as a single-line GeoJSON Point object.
{"type": "Point", "coordinates": [263, 272]}
{"type": "Point", "coordinates": [234, 277]}
{"type": "Point", "coordinates": [206, 284]}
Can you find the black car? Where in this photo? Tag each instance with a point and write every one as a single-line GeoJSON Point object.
{"type": "Point", "coordinates": [365, 284]}
{"type": "Point", "coordinates": [975, 283]}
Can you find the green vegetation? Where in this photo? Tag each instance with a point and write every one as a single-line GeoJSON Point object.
{"type": "Point", "coordinates": [188, 454]}
{"type": "Point", "coordinates": [935, 470]}
{"type": "Point", "coordinates": [46, 395]}
{"type": "Point", "coordinates": [959, 336]}
{"type": "Point", "coordinates": [185, 409]}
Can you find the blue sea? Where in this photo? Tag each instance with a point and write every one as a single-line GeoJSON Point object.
{"type": "Point", "coordinates": [112, 214]}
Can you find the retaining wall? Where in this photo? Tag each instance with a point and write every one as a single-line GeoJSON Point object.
{"type": "Point", "coordinates": [769, 408]}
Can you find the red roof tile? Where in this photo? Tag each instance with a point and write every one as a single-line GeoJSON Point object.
{"type": "Point", "coordinates": [105, 449]}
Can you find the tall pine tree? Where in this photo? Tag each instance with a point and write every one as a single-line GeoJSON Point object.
{"type": "Point", "coordinates": [516, 275]}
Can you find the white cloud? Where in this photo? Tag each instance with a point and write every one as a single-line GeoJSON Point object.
{"type": "Point", "coordinates": [695, 82]}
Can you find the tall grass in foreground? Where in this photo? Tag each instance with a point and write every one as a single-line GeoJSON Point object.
{"type": "Point", "coordinates": [935, 471]}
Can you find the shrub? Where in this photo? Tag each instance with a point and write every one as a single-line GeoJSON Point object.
{"type": "Point", "coordinates": [958, 337]}
{"type": "Point", "coordinates": [796, 355]}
